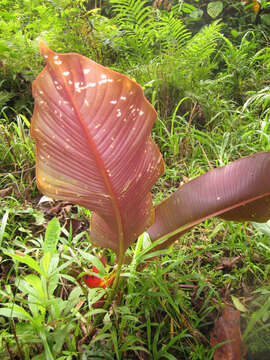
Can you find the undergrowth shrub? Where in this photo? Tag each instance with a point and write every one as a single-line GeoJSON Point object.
{"type": "Point", "coordinates": [68, 25]}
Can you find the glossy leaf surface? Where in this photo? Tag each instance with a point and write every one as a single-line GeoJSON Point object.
{"type": "Point", "coordinates": [91, 127]}
{"type": "Point", "coordinates": [239, 191]}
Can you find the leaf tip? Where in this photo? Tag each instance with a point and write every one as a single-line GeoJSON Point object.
{"type": "Point", "coordinates": [45, 51]}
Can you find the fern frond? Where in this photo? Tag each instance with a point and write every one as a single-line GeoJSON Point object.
{"type": "Point", "coordinates": [131, 12]}
{"type": "Point", "coordinates": [182, 7]}
{"type": "Point", "coordinates": [134, 18]}
{"type": "Point", "coordinates": [5, 96]}
{"type": "Point", "coordinates": [260, 99]}
{"type": "Point", "coordinates": [204, 43]}
{"type": "Point", "coordinates": [173, 32]}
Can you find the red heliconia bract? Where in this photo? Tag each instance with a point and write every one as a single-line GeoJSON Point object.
{"type": "Point", "coordinates": [93, 281]}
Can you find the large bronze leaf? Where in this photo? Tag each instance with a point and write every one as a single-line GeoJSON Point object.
{"type": "Point", "coordinates": [239, 191]}
{"type": "Point", "coordinates": [91, 127]}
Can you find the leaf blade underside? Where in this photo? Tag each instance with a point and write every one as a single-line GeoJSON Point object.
{"type": "Point", "coordinates": [239, 191]}
{"type": "Point", "coordinates": [92, 127]}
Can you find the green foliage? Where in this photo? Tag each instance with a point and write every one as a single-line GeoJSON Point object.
{"type": "Point", "coordinates": [51, 236]}
{"type": "Point", "coordinates": [181, 72]}
{"type": "Point", "coordinates": [22, 23]}
{"type": "Point", "coordinates": [173, 34]}
{"type": "Point", "coordinates": [153, 33]}
{"type": "Point", "coordinates": [132, 12]}
{"type": "Point", "coordinates": [44, 316]}
{"type": "Point", "coordinates": [136, 22]}
{"type": "Point", "coordinates": [214, 8]}
{"type": "Point", "coordinates": [16, 153]}
{"type": "Point", "coordinates": [3, 226]}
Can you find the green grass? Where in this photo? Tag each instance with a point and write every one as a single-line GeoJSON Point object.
{"type": "Point", "coordinates": [17, 156]}
{"type": "Point", "coordinates": [163, 311]}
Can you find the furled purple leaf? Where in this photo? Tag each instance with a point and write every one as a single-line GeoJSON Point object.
{"type": "Point", "coordinates": [91, 127]}
{"type": "Point", "coordinates": [239, 191]}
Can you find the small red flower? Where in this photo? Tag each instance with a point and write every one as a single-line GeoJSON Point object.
{"type": "Point", "coordinates": [93, 281]}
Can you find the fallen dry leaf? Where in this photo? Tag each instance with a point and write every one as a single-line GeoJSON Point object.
{"type": "Point", "coordinates": [7, 191]}
{"type": "Point", "coordinates": [227, 329]}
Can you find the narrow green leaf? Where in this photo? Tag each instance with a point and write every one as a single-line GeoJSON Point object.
{"type": "Point", "coordinates": [52, 285]}
{"type": "Point", "coordinates": [3, 226]}
{"type": "Point", "coordinates": [48, 353]}
{"type": "Point", "coordinates": [255, 318]}
{"type": "Point", "coordinates": [25, 120]}
{"type": "Point", "coordinates": [238, 305]}
{"type": "Point", "coordinates": [45, 263]}
{"type": "Point", "coordinates": [26, 259]}
{"type": "Point", "coordinates": [52, 236]}
{"type": "Point", "coordinates": [15, 311]}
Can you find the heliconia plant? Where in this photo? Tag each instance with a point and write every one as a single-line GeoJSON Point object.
{"type": "Point", "coordinates": [92, 130]}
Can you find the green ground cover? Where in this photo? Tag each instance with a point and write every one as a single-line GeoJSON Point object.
{"type": "Point", "coordinates": [208, 77]}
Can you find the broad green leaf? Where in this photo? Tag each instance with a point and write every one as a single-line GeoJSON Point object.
{"type": "Point", "coordinates": [239, 191]}
{"type": "Point", "coordinates": [26, 288]}
{"type": "Point", "coordinates": [73, 299]}
{"type": "Point", "coordinates": [238, 305]}
{"type": "Point", "coordinates": [265, 227]}
{"type": "Point", "coordinates": [38, 309]}
{"type": "Point", "coordinates": [146, 241]}
{"type": "Point", "coordinates": [214, 8]}
{"type": "Point", "coordinates": [36, 283]}
{"type": "Point", "coordinates": [57, 307]}
{"type": "Point", "coordinates": [265, 19]}
{"type": "Point", "coordinates": [196, 14]}
{"type": "Point", "coordinates": [26, 259]}
{"type": "Point", "coordinates": [52, 235]}
{"type": "Point", "coordinates": [92, 130]}
{"type": "Point", "coordinates": [26, 331]}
